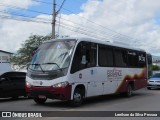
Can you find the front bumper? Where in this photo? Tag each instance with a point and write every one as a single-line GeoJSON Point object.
{"type": "Point", "coordinates": [153, 86]}
{"type": "Point", "coordinates": [62, 93]}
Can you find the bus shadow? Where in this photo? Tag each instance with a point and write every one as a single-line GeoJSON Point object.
{"type": "Point", "coordinates": [94, 100]}
{"type": "Point", "coordinates": [110, 98]}
{"type": "Point", "coordinates": [56, 104]}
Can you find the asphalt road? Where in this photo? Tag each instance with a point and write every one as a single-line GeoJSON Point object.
{"type": "Point", "coordinates": [142, 100]}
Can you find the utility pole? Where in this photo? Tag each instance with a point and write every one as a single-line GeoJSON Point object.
{"type": "Point", "coordinates": [54, 19]}
{"type": "Point", "coordinates": [54, 14]}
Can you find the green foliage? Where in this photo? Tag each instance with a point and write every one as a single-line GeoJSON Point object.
{"type": "Point", "coordinates": [25, 53]}
{"type": "Point", "coordinates": [155, 67]}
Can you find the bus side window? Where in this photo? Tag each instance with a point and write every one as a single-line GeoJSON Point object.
{"type": "Point", "coordinates": [92, 55]}
{"type": "Point", "coordinates": [85, 56]}
{"type": "Point", "coordinates": [120, 58]}
{"type": "Point", "coordinates": [132, 59]}
{"type": "Point", "coordinates": [79, 56]}
{"type": "Point", "coordinates": [76, 59]}
{"type": "Point", "coordinates": [142, 60]}
{"type": "Point", "coordinates": [105, 56]}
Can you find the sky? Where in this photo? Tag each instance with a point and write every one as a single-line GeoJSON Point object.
{"type": "Point", "coordinates": [133, 22]}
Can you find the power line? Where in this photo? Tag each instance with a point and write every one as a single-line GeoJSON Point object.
{"type": "Point", "coordinates": [81, 32]}
{"type": "Point", "coordinates": [70, 12]}
{"type": "Point", "coordinates": [87, 20]}
{"type": "Point", "coordinates": [20, 16]}
{"type": "Point", "coordinates": [35, 21]}
{"type": "Point", "coordinates": [14, 13]}
{"type": "Point", "coordinates": [108, 29]}
{"type": "Point", "coordinates": [23, 15]}
{"type": "Point", "coordinates": [99, 30]}
{"type": "Point", "coordinates": [98, 24]}
{"type": "Point", "coordinates": [93, 35]}
{"type": "Point", "coordinates": [61, 6]}
{"type": "Point", "coordinates": [95, 31]}
{"type": "Point", "coordinates": [84, 29]}
{"type": "Point", "coordinates": [19, 19]}
{"type": "Point", "coordinates": [80, 28]}
{"type": "Point", "coordinates": [40, 1]}
{"type": "Point", "coordinates": [26, 16]}
{"type": "Point", "coordinates": [63, 26]}
{"type": "Point", "coordinates": [6, 5]}
{"type": "Point", "coordinates": [14, 7]}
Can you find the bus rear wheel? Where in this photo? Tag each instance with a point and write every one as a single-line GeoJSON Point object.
{"type": "Point", "coordinates": [39, 100]}
{"type": "Point", "coordinates": [77, 97]}
{"type": "Point", "coordinates": [129, 91]}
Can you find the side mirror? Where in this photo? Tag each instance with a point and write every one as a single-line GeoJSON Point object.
{"type": "Point", "coordinates": [84, 60]}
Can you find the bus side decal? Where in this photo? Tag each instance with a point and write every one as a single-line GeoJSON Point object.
{"type": "Point", "coordinates": [139, 81]}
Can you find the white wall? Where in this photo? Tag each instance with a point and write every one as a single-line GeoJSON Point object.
{"type": "Point", "coordinates": [5, 65]}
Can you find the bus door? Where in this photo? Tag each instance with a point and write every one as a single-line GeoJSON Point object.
{"type": "Point", "coordinates": [95, 85]}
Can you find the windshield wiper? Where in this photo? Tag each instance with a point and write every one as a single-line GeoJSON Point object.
{"type": "Point", "coordinates": [53, 63]}
{"type": "Point", "coordinates": [37, 65]}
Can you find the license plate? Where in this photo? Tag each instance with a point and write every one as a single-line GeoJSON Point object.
{"type": "Point", "coordinates": [42, 96]}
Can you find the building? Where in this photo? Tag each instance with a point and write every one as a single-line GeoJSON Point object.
{"type": "Point", "coordinates": [156, 60]}
{"type": "Point", "coordinates": [5, 64]}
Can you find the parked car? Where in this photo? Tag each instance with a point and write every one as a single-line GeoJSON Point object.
{"type": "Point", "coordinates": [154, 81]}
{"type": "Point", "coordinates": [12, 84]}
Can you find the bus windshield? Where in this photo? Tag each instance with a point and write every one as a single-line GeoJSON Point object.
{"type": "Point", "coordinates": [54, 55]}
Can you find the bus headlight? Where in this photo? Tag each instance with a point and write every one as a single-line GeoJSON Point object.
{"type": "Point", "coordinates": [62, 84]}
{"type": "Point", "coordinates": [28, 85]}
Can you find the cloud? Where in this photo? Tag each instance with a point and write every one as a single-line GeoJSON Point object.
{"type": "Point", "coordinates": [13, 33]}
{"type": "Point", "coordinates": [18, 3]}
{"type": "Point", "coordinates": [130, 21]}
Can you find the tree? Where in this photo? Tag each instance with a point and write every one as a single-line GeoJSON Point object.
{"type": "Point", "coordinates": [155, 67]}
{"type": "Point", "coordinates": [25, 53]}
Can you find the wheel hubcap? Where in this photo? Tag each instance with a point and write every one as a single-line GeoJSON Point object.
{"type": "Point", "coordinates": [77, 97]}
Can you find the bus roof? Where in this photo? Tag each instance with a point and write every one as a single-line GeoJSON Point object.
{"type": "Point", "coordinates": [115, 44]}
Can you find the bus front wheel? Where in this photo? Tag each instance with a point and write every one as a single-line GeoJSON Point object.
{"type": "Point", "coordinates": [77, 97]}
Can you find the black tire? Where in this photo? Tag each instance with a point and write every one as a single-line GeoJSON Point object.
{"type": "Point", "coordinates": [39, 100]}
{"type": "Point", "coordinates": [129, 91]}
{"type": "Point", "coordinates": [77, 98]}
{"type": "Point", "coordinates": [15, 97]}
{"type": "Point", "coordinates": [148, 88]}
{"type": "Point", "coordinates": [28, 97]}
